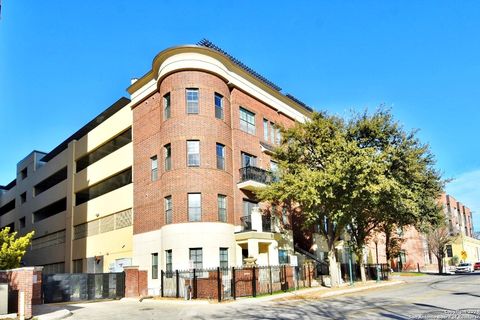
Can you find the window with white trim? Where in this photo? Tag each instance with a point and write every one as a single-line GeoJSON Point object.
{"type": "Point", "coordinates": [247, 121]}
{"type": "Point", "coordinates": [194, 207]}
{"type": "Point", "coordinates": [192, 101]}
{"type": "Point", "coordinates": [193, 153]}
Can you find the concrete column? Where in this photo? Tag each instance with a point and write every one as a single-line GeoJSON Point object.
{"type": "Point", "coordinates": [70, 205]}
{"type": "Point", "coordinates": [273, 253]}
{"type": "Point", "coordinates": [257, 219]}
{"type": "Point", "coordinates": [253, 248]}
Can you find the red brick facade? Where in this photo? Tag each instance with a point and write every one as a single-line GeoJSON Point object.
{"type": "Point", "coordinates": [27, 280]}
{"type": "Point", "coordinates": [459, 216]}
{"type": "Point", "coordinates": [151, 132]}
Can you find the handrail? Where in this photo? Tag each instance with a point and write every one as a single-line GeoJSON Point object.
{"type": "Point", "coordinates": [308, 254]}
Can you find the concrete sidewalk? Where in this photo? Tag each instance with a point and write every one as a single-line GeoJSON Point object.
{"type": "Point", "coordinates": [50, 311]}
{"type": "Point", "coordinates": [64, 310]}
{"type": "Point", "coordinates": [322, 292]}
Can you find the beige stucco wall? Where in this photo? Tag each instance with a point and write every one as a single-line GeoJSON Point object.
{"type": "Point", "coordinates": [112, 245]}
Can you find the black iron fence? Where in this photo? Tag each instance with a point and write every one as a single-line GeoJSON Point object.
{"type": "Point", "coordinates": [64, 287]}
{"type": "Point", "coordinates": [230, 283]}
{"type": "Point", "coordinates": [370, 272]}
{"type": "Point", "coordinates": [255, 174]}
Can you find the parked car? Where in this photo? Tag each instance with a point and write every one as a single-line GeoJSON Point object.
{"type": "Point", "coordinates": [464, 267]}
{"type": "Point", "coordinates": [476, 266]}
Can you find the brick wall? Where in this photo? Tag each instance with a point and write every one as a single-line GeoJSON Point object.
{"type": "Point", "coordinates": [135, 282]}
{"type": "Point", "coordinates": [27, 280]}
{"type": "Point", "coordinates": [151, 133]}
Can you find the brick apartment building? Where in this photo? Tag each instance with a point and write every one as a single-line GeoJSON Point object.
{"type": "Point", "coordinates": [415, 253]}
{"type": "Point", "coordinates": [162, 180]}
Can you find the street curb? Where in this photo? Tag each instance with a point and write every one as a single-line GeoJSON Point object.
{"type": "Point", "coordinates": [299, 294]}
{"type": "Point", "coordinates": [169, 301]}
{"type": "Point", "coordinates": [56, 315]}
{"type": "Point", "coordinates": [350, 290]}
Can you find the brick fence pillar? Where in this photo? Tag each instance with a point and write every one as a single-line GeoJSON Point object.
{"type": "Point", "coordinates": [136, 282]}
{"type": "Point", "coordinates": [29, 281]}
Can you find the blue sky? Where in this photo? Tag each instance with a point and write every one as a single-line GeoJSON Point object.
{"type": "Point", "coordinates": [63, 62]}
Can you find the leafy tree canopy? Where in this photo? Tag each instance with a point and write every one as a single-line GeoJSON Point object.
{"type": "Point", "coordinates": [12, 248]}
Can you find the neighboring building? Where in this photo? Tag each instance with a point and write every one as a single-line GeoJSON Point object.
{"type": "Point", "coordinates": [163, 181]}
{"type": "Point", "coordinates": [77, 198]}
{"type": "Point", "coordinates": [465, 246]}
{"type": "Point", "coordinates": [415, 253]}
{"type": "Point", "coordinates": [459, 216]}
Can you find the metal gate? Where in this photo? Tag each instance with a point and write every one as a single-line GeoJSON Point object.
{"type": "Point", "coordinates": [64, 287]}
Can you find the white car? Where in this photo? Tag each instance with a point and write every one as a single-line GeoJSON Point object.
{"type": "Point", "coordinates": [464, 267]}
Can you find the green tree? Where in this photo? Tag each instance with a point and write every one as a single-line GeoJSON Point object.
{"type": "Point", "coordinates": [326, 175]}
{"type": "Point", "coordinates": [359, 176]}
{"type": "Point", "coordinates": [407, 188]}
{"type": "Point", "coordinates": [12, 248]}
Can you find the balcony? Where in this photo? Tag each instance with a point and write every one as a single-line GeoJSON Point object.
{"type": "Point", "coordinates": [265, 225]}
{"type": "Point", "coordinates": [253, 177]}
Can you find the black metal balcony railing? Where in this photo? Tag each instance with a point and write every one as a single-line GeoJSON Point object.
{"type": "Point", "coordinates": [256, 174]}
{"type": "Point", "coordinates": [246, 223]}
{"type": "Point", "coordinates": [267, 224]}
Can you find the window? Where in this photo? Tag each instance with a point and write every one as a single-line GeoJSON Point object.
{"type": "Point", "coordinates": [278, 135]}
{"type": "Point", "coordinates": [273, 167]}
{"type": "Point", "coordinates": [167, 150]}
{"type": "Point", "coordinates": [218, 106]}
{"type": "Point", "coordinates": [224, 258]}
{"type": "Point", "coordinates": [49, 240]}
{"type": "Point", "coordinates": [23, 197]}
{"type": "Point", "coordinates": [193, 153]}
{"type": "Point", "coordinates": [51, 181]}
{"type": "Point", "coordinates": [247, 121]}
{"type": "Point", "coordinates": [117, 181]}
{"type": "Point", "coordinates": [22, 222]}
{"type": "Point", "coordinates": [24, 173]}
{"type": "Point", "coordinates": [194, 207]}
{"type": "Point", "coordinates": [168, 263]}
{"type": "Point", "coordinates": [154, 265]}
{"type": "Point", "coordinates": [192, 101]}
{"type": "Point", "coordinates": [77, 266]}
{"type": "Point", "coordinates": [154, 165]}
{"type": "Point", "coordinates": [282, 256]}
{"type": "Point", "coordinates": [104, 150]}
{"type": "Point", "coordinates": [196, 258]}
{"type": "Point", "coordinates": [168, 210]}
{"type": "Point", "coordinates": [449, 251]}
{"type": "Point", "coordinates": [58, 267]}
{"type": "Point", "coordinates": [248, 160]}
{"type": "Point", "coordinates": [7, 207]}
{"type": "Point", "coordinates": [265, 130]}
{"type": "Point", "coordinates": [220, 156]}
{"type": "Point", "coordinates": [50, 210]}
{"type": "Point", "coordinates": [222, 207]}
{"type": "Point", "coordinates": [272, 132]}
{"type": "Point", "coordinates": [248, 207]}
{"type": "Point", "coordinates": [166, 106]}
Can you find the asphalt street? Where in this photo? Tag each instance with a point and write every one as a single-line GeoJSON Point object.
{"type": "Point", "coordinates": [422, 297]}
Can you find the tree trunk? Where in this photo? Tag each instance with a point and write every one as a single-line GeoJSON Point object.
{"type": "Point", "coordinates": [440, 264]}
{"type": "Point", "coordinates": [387, 244]}
{"type": "Point", "coordinates": [332, 261]}
{"type": "Point", "coordinates": [362, 267]}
